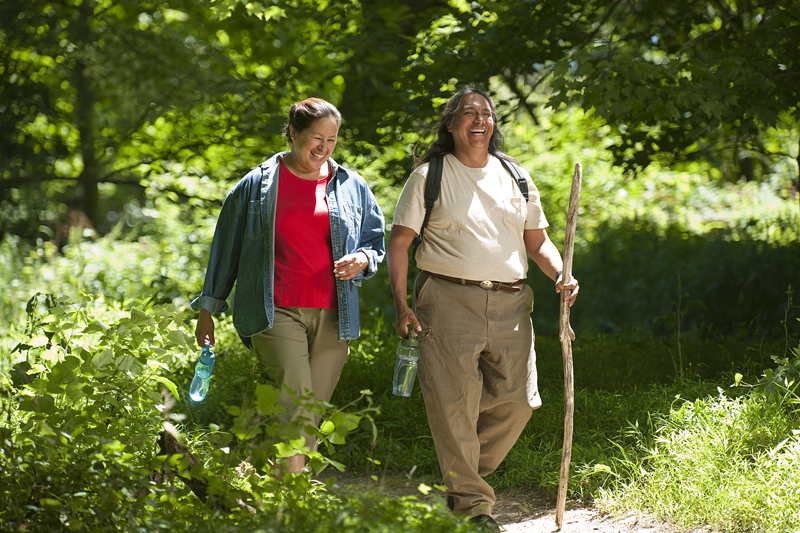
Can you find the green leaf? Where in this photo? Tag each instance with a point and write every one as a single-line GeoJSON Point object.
{"type": "Point", "coordinates": [36, 369]}
{"type": "Point", "coordinates": [95, 326]}
{"type": "Point", "coordinates": [327, 427]}
{"type": "Point", "coordinates": [178, 337]}
{"type": "Point", "coordinates": [37, 341]}
{"type": "Point", "coordinates": [267, 398]}
{"type": "Point", "coordinates": [51, 355]}
{"type": "Point", "coordinates": [284, 450]}
{"type": "Point", "coordinates": [169, 385]}
{"type": "Point", "coordinates": [125, 363]}
{"type": "Point", "coordinates": [103, 358]}
{"type": "Point", "coordinates": [137, 317]}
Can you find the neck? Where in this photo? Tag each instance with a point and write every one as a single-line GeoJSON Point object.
{"type": "Point", "coordinates": [472, 158]}
{"type": "Point", "coordinates": [305, 174]}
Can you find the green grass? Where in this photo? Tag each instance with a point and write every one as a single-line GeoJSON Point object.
{"type": "Point", "coordinates": [731, 463]}
{"type": "Point", "coordinates": [645, 437]}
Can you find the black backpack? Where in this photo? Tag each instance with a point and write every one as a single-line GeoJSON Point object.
{"type": "Point", "coordinates": [433, 183]}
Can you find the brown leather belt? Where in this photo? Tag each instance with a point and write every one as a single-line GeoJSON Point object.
{"type": "Point", "coordinates": [486, 284]}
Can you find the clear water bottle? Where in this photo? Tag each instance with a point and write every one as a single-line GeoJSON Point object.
{"type": "Point", "coordinates": [202, 373]}
{"type": "Point", "coordinates": [405, 369]}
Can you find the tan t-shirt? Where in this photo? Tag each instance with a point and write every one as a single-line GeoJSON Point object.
{"type": "Point", "coordinates": [477, 223]}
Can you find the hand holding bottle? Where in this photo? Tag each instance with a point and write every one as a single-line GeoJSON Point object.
{"type": "Point", "coordinates": [202, 374]}
{"type": "Point", "coordinates": [405, 368]}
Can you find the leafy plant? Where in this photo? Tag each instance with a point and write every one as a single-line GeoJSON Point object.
{"type": "Point", "coordinates": [783, 380]}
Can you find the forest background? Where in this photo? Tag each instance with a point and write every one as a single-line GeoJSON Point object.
{"type": "Point", "coordinates": [123, 125]}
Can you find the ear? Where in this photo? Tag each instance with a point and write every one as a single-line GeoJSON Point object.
{"type": "Point", "coordinates": [292, 133]}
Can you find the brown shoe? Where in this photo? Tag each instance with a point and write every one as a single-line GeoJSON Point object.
{"type": "Point", "coordinates": [485, 523]}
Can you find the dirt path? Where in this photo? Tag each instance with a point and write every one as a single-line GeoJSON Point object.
{"type": "Point", "coordinates": [521, 511]}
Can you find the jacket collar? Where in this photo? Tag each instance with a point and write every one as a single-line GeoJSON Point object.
{"type": "Point", "coordinates": [272, 162]}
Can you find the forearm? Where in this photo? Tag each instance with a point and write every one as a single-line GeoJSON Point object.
{"type": "Point", "coordinates": [548, 259]}
{"type": "Point", "coordinates": [543, 252]}
{"type": "Point", "coordinates": [397, 265]}
{"type": "Point", "coordinates": [400, 239]}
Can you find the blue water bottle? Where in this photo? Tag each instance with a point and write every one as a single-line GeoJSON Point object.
{"type": "Point", "coordinates": [202, 373]}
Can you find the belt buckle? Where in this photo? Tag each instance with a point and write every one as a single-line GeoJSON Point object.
{"type": "Point", "coordinates": [487, 285]}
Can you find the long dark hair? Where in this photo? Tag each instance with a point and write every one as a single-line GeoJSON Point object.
{"type": "Point", "coordinates": [445, 144]}
{"type": "Point", "coordinates": [303, 114]}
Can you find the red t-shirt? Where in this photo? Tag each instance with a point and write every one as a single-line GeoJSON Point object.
{"type": "Point", "coordinates": [303, 253]}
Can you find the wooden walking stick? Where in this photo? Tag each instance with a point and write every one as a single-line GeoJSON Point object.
{"type": "Point", "coordinates": [567, 336]}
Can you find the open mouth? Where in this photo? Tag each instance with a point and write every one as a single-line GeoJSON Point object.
{"type": "Point", "coordinates": [317, 156]}
{"type": "Point", "coordinates": [478, 131]}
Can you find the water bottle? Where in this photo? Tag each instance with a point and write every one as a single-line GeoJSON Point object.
{"type": "Point", "coordinates": [405, 369]}
{"type": "Point", "coordinates": [202, 373]}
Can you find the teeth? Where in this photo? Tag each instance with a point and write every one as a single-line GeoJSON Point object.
{"type": "Point", "coordinates": [316, 156]}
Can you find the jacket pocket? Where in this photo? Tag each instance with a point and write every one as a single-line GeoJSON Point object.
{"type": "Point", "coordinates": [352, 216]}
{"type": "Point", "coordinates": [253, 225]}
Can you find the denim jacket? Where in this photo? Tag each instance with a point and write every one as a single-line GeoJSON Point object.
{"type": "Point", "coordinates": [243, 249]}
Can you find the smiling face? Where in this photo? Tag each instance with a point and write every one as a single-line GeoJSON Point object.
{"type": "Point", "coordinates": [311, 147]}
{"type": "Point", "coordinates": [472, 126]}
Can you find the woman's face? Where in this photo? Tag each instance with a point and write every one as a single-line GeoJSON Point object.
{"type": "Point", "coordinates": [312, 147]}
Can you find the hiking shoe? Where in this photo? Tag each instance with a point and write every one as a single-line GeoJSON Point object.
{"type": "Point", "coordinates": [485, 523]}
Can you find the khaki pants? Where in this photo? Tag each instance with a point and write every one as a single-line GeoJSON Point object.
{"type": "Point", "coordinates": [477, 371]}
{"type": "Point", "coordinates": [302, 351]}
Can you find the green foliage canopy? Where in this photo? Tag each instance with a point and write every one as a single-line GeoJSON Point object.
{"type": "Point", "coordinates": [101, 101]}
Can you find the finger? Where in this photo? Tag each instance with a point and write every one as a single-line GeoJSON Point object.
{"type": "Point", "coordinates": [402, 329]}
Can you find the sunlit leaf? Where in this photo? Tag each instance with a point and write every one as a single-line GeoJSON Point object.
{"type": "Point", "coordinates": [169, 385]}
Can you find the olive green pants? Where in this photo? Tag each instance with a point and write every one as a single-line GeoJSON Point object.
{"type": "Point", "coordinates": [477, 372]}
{"type": "Point", "coordinates": [302, 354]}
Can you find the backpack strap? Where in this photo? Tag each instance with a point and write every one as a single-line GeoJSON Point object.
{"type": "Point", "coordinates": [433, 183]}
{"type": "Point", "coordinates": [513, 169]}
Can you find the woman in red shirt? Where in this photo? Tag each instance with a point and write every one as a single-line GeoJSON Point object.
{"type": "Point", "coordinates": [316, 231]}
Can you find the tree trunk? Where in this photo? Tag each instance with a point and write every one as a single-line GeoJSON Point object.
{"type": "Point", "coordinates": [84, 119]}
{"type": "Point", "coordinates": [798, 170]}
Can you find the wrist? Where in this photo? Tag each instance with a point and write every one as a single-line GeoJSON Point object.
{"type": "Point", "coordinates": [558, 277]}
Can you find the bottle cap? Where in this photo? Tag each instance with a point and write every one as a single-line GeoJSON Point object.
{"type": "Point", "coordinates": [412, 338]}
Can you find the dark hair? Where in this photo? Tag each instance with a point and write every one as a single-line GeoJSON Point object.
{"type": "Point", "coordinates": [445, 144]}
{"type": "Point", "coordinates": [303, 114]}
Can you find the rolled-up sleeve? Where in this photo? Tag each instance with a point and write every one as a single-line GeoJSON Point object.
{"type": "Point", "coordinates": [371, 241]}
